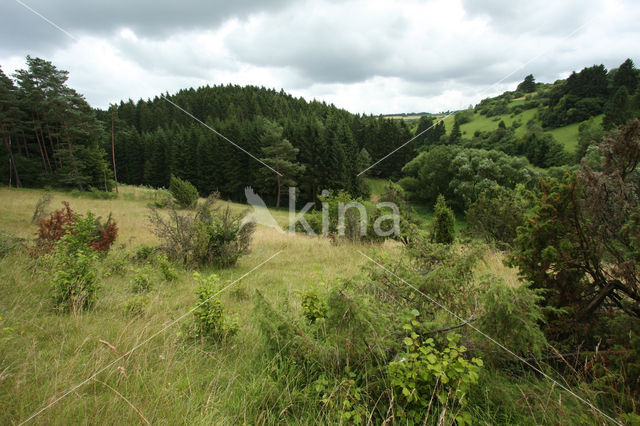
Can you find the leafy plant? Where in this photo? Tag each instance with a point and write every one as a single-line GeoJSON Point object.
{"type": "Point", "coordinates": [424, 372]}
{"type": "Point", "coordinates": [313, 308]}
{"type": "Point", "coordinates": [92, 232]}
{"type": "Point", "coordinates": [142, 280]}
{"type": "Point", "coordinates": [136, 305]}
{"type": "Point", "coordinates": [513, 314]}
{"type": "Point", "coordinates": [166, 268]}
{"type": "Point", "coordinates": [345, 397]}
{"type": "Point", "coordinates": [210, 319]}
{"type": "Point", "coordinates": [74, 281]}
{"type": "Point", "coordinates": [161, 198]}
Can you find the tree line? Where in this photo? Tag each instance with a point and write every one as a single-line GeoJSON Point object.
{"type": "Point", "coordinates": [53, 137]}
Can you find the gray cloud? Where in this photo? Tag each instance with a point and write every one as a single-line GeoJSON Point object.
{"type": "Point", "coordinates": [147, 18]}
{"type": "Point", "coordinates": [366, 55]}
{"type": "Point", "coordinates": [535, 16]}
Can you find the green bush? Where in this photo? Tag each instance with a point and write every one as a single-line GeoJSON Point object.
{"type": "Point", "coordinates": [144, 253]}
{"type": "Point", "coordinates": [166, 268]}
{"type": "Point", "coordinates": [211, 322]}
{"type": "Point", "coordinates": [185, 194]}
{"type": "Point", "coordinates": [161, 198]}
{"type": "Point", "coordinates": [424, 372]}
{"type": "Point", "coordinates": [209, 236]}
{"type": "Point", "coordinates": [74, 281]}
{"type": "Point", "coordinates": [313, 308]}
{"type": "Point", "coordinates": [136, 305]}
{"type": "Point", "coordinates": [142, 280]}
{"type": "Point", "coordinates": [513, 316]}
{"type": "Point", "coordinates": [443, 223]}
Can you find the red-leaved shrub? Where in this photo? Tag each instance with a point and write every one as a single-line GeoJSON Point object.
{"type": "Point", "coordinates": [61, 221]}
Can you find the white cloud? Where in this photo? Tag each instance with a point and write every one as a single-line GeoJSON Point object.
{"type": "Point", "coordinates": [366, 56]}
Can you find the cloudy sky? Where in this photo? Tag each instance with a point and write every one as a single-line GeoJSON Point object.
{"type": "Point", "coordinates": [368, 56]}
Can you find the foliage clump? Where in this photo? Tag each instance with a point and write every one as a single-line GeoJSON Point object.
{"type": "Point", "coordinates": [211, 321]}
{"type": "Point", "coordinates": [313, 308]}
{"type": "Point", "coordinates": [443, 223]}
{"type": "Point", "coordinates": [427, 379]}
{"type": "Point", "coordinates": [211, 235]}
{"type": "Point", "coordinates": [74, 280]}
{"type": "Point", "coordinates": [185, 194]}
{"type": "Point", "coordinates": [99, 237]}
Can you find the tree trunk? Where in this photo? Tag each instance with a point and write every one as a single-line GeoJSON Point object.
{"type": "Point", "coordinates": [12, 163]}
{"type": "Point", "coordinates": [45, 158]}
{"type": "Point", "coordinates": [278, 197]}
{"type": "Point", "coordinates": [75, 167]}
{"type": "Point", "coordinates": [113, 152]}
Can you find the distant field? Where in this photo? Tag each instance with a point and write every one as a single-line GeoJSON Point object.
{"type": "Point", "coordinates": [423, 211]}
{"type": "Point", "coordinates": [567, 135]}
{"type": "Point", "coordinates": [404, 117]}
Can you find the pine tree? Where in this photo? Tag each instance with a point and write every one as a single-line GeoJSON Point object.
{"type": "Point", "coordinates": [9, 119]}
{"type": "Point", "coordinates": [280, 155]}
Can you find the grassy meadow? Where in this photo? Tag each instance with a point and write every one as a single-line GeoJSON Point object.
{"type": "Point", "coordinates": [175, 379]}
{"type": "Point", "coordinates": [167, 379]}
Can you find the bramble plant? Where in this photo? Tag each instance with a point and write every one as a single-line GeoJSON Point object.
{"type": "Point", "coordinates": [345, 397]}
{"type": "Point", "coordinates": [142, 281]}
{"type": "Point", "coordinates": [210, 319]}
{"type": "Point", "coordinates": [424, 372]}
{"type": "Point", "coordinates": [313, 308]}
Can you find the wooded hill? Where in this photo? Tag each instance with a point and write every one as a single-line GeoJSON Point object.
{"type": "Point", "coordinates": [52, 136]}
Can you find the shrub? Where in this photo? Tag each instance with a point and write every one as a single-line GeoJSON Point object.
{"type": "Point", "coordinates": [313, 308]}
{"type": "Point", "coordinates": [166, 268]}
{"type": "Point", "coordinates": [92, 232]}
{"type": "Point", "coordinates": [443, 222]}
{"type": "Point", "coordinates": [74, 281]}
{"type": "Point", "coordinates": [161, 198]}
{"type": "Point", "coordinates": [210, 236]}
{"type": "Point", "coordinates": [185, 194]}
{"type": "Point", "coordinates": [497, 213]}
{"type": "Point", "coordinates": [144, 252]}
{"type": "Point", "coordinates": [424, 372]}
{"type": "Point", "coordinates": [136, 305]}
{"type": "Point", "coordinates": [513, 315]}
{"type": "Point", "coordinates": [142, 281]}
{"type": "Point", "coordinates": [210, 319]}
{"type": "Point", "coordinates": [117, 263]}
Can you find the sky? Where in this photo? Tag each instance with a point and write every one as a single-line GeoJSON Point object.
{"type": "Point", "coordinates": [367, 56]}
